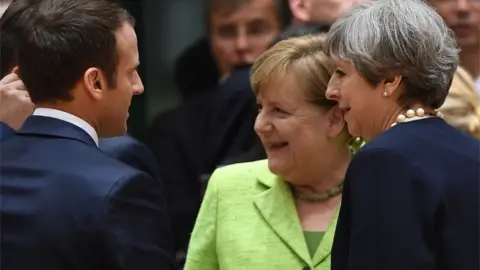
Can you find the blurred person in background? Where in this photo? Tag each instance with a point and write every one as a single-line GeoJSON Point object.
{"type": "Point", "coordinates": [462, 106]}
{"type": "Point", "coordinates": [280, 213]}
{"type": "Point", "coordinates": [410, 198]}
{"type": "Point", "coordinates": [233, 38]}
{"type": "Point", "coordinates": [238, 31]}
{"type": "Point", "coordinates": [197, 69]}
{"type": "Point", "coordinates": [463, 17]}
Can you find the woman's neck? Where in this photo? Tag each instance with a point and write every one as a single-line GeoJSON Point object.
{"type": "Point", "coordinates": [326, 176]}
{"type": "Point", "coordinates": [392, 117]}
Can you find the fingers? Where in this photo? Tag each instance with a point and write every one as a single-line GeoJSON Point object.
{"type": "Point", "coordinates": [16, 70]}
{"type": "Point", "coordinates": [14, 95]}
{"type": "Point", "coordinates": [17, 85]}
{"type": "Point", "coordinates": [23, 95]}
{"type": "Point", "coordinates": [9, 78]}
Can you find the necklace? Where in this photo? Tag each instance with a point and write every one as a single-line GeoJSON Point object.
{"type": "Point", "coordinates": [311, 196]}
{"type": "Point", "coordinates": [417, 114]}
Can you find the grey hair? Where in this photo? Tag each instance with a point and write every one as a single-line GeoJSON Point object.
{"type": "Point", "coordinates": [386, 38]}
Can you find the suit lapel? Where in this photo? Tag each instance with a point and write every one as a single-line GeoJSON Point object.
{"type": "Point", "coordinates": [277, 207]}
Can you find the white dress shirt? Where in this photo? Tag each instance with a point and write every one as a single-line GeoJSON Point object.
{"type": "Point", "coordinates": [70, 118]}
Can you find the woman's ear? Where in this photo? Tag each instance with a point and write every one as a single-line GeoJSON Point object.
{"type": "Point", "coordinates": [391, 85]}
{"type": "Point", "coordinates": [336, 122]}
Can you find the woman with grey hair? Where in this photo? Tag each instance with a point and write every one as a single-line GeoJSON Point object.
{"type": "Point", "coordinates": [411, 195]}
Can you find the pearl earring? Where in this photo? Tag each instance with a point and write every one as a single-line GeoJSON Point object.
{"type": "Point", "coordinates": [385, 93]}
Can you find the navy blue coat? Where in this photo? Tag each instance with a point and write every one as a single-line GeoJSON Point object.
{"type": "Point", "coordinates": [411, 201]}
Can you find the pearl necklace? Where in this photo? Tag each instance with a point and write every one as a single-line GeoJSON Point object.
{"type": "Point", "coordinates": [417, 114]}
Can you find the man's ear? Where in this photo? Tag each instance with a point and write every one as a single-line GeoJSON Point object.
{"type": "Point", "coordinates": [95, 83]}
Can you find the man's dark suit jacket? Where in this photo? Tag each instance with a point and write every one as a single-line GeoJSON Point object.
{"type": "Point", "coordinates": [5, 131]}
{"type": "Point", "coordinates": [67, 205]}
{"type": "Point", "coordinates": [123, 148]}
{"type": "Point", "coordinates": [411, 201]}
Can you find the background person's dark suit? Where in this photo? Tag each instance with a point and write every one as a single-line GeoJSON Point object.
{"type": "Point", "coordinates": [188, 146]}
{"type": "Point", "coordinates": [195, 69]}
{"type": "Point", "coordinates": [67, 205]}
{"type": "Point", "coordinates": [133, 153]}
{"type": "Point", "coordinates": [411, 201]}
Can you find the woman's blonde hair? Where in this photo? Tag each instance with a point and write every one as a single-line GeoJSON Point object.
{"type": "Point", "coordinates": [462, 106]}
{"type": "Point", "coordinates": [305, 58]}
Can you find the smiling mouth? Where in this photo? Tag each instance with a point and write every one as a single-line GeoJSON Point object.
{"type": "Point", "coordinates": [276, 146]}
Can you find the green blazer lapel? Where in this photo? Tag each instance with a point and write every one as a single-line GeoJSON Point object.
{"type": "Point", "coordinates": [325, 248]}
{"type": "Point", "coordinates": [277, 207]}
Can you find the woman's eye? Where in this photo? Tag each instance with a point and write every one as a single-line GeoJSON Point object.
{"type": "Point", "coordinates": [278, 110]}
{"type": "Point", "coordinates": [339, 73]}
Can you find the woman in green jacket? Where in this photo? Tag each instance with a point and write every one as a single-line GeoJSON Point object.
{"type": "Point", "coordinates": [280, 213]}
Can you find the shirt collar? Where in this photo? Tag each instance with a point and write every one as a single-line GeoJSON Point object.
{"type": "Point", "coordinates": [70, 118]}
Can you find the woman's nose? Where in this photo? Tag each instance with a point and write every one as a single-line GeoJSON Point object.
{"type": "Point", "coordinates": [332, 93]}
{"type": "Point", "coordinates": [262, 124]}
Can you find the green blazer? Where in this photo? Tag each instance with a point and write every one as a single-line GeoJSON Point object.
{"type": "Point", "coordinates": [248, 220]}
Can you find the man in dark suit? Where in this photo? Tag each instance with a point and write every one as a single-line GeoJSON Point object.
{"type": "Point", "coordinates": [16, 106]}
{"type": "Point", "coordinates": [65, 203]}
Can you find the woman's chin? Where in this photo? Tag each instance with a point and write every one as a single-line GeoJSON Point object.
{"type": "Point", "coordinates": [277, 166]}
{"type": "Point", "coordinates": [353, 130]}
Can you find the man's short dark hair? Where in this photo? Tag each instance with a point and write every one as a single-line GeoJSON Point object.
{"type": "Point", "coordinates": [9, 28]}
{"type": "Point", "coordinates": [62, 39]}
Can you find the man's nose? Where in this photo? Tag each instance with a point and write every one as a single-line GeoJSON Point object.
{"type": "Point", "coordinates": [463, 7]}
{"type": "Point", "coordinates": [241, 42]}
{"type": "Point", "coordinates": [138, 87]}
